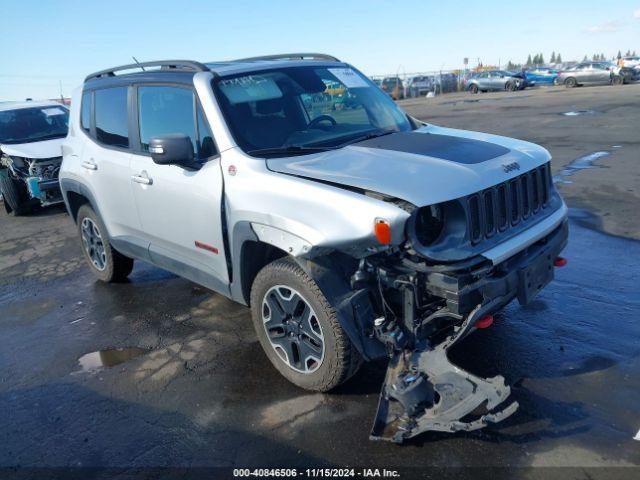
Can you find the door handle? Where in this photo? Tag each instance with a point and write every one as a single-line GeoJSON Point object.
{"type": "Point", "coordinates": [89, 165]}
{"type": "Point", "coordinates": [142, 178]}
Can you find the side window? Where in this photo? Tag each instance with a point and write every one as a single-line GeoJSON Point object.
{"type": "Point", "coordinates": [163, 110]}
{"type": "Point", "coordinates": [206, 145]}
{"type": "Point", "coordinates": [85, 112]}
{"type": "Point", "coordinates": [111, 116]}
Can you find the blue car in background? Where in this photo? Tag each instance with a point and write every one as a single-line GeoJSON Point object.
{"type": "Point", "coordinates": [541, 75]}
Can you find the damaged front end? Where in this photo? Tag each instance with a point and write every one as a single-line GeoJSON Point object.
{"type": "Point", "coordinates": [424, 391]}
{"type": "Point", "coordinates": [413, 308]}
{"type": "Point", "coordinates": [38, 177]}
{"type": "Point", "coordinates": [425, 310]}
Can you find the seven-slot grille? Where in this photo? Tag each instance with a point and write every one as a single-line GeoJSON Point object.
{"type": "Point", "coordinates": [496, 209]}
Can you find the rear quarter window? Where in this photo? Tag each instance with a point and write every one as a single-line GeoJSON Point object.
{"type": "Point", "coordinates": [85, 112]}
{"type": "Point", "coordinates": [111, 116]}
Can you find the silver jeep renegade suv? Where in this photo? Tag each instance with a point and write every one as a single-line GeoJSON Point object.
{"type": "Point", "coordinates": [292, 184]}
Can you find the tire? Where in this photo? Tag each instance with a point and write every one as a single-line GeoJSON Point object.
{"type": "Point", "coordinates": [105, 262]}
{"type": "Point", "coordinates": [277, 294]}
{"type": "Point", "coordinates": [14, 193]}
{"type": "Point", "coordinates": [511, 86]}
{"type": "Point", "coordinates": [617, 80]}
{"type": "Point", "coordinates": [473, 88]}
{"type": "Point", "coordinates": [570, 82]}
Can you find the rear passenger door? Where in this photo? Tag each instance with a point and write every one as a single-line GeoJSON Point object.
{"type": "Point", "coordinates": [105, 161]}
{"type": "Point", "coordinates": [179, 208]}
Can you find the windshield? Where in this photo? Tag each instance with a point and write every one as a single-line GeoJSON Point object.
{"type": "Point", "coordinates": [305, 108]}
{"type": "Point", "coordinates": [24, 125]}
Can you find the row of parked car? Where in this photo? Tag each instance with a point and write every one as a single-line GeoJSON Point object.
{"type": "Point", "coordinates": [584, 73]}
{"type": "Point", "coordinates": [418, 85]}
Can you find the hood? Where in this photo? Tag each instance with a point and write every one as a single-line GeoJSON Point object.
{"type": "Point", "coordinates": [429, 165]}
{"type": "Point", "coordinates": [44, 149]}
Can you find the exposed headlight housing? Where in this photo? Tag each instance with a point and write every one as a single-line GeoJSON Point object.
{"type": "Point", "coordinates": [429, 223]}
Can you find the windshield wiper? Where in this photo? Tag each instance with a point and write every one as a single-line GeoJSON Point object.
{"type": "Point", "coordinates": [289, 150]}
{"type": "Point", "coordinates": [368, 136]}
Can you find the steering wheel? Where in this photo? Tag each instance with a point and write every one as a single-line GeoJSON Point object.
{"type": "Point", "coordinates": [322, 118]}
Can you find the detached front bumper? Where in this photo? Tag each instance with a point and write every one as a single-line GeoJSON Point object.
{"type": "Point", "coordinates": [47, 192]}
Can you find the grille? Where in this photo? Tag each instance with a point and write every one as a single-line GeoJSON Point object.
{"type": "Point", "coordinates": [499, 208]}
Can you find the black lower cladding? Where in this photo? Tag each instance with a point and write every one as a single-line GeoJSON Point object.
{"type": "Point", "coordinates": [446, 147]}
{"type": "Point", "coordinates": [522, 276]}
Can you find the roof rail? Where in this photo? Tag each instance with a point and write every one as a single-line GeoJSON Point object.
{"type": "Point", "coordinates": [163, 64]}
{"type": "Point", "coordinates": [290, 56]}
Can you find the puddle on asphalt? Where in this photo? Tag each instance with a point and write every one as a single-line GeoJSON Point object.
{"type": "Point", "coordinates": [108, 358]}
{"type": "Point", "coordinates": [575, 113]}
{"type": "Point", "coordinates": [580, 163]}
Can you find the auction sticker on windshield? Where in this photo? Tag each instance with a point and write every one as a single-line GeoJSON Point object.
{"type": "Point", "coordinates": [49, 112]}
{"type": "Point", "coordinates": [348, 77]}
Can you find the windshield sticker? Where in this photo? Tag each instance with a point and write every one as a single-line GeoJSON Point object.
{"type": "Point", "coordinates": [50, 112]}
{"type": "Point", "coordinates": [348, 77]}
{"type": "Point", "coordinates": [251, 88]}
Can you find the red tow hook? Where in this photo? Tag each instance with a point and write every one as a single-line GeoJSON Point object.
{"type": "Point", "coordinates": [484, 321]}
{"type": "Point", "coordinates": [559, 262]}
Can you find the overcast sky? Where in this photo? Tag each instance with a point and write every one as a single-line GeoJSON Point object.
{"type": "Point", "coordinates": [45, 43]}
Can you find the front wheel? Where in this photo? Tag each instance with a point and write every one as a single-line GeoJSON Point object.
{"type": "Point", "coordinates": [299, 330]}
{"type": "Point", "coordinates": [473, 88]}
{"type": "Point", "coordinates": [105, 262]}
{"type": "Point", "coordinates": [570, 82]}
{"type": "Point", "coordinates": [14, 193]}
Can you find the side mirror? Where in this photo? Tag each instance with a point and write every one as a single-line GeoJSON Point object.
{"type": "Point", "coordinates": [172, 149]}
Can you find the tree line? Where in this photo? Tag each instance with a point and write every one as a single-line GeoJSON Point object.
{"type": "Point", "coordinates": [538, 59]}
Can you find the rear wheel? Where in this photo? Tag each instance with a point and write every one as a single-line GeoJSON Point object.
{"type": "Point", "coordinates": [105, 262]}
{"type": "Point", "coordinates": [14, 193]}
{"type": "Point", "coordinates": [570, 82]}
{"type": "Point", "coordinates": [298, 328]}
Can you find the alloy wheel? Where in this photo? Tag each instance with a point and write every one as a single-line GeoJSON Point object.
{"type": "Point", "coordinates": [293, 329]}
{"type": "Point", "coordinates": [93, 244]}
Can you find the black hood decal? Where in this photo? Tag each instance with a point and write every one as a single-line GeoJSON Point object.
{"type": "Point", "coordinates": [445, 147]}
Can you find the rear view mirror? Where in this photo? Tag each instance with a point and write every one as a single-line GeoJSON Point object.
{"type": "Point", "coordinates": [172, 149]}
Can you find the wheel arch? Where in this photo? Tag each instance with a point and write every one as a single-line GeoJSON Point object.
{"type": "Point", "coordinates": [76, 194]}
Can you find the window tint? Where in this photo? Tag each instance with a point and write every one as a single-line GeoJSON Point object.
{"type": "Point", "coordinates": [163, 110]}
{"type": "Point", "coordinates": [206, 145]}
{"type": "Point", "coordinates": [111, 116]}
{"type": "Point", "coordinates": [85, 112]}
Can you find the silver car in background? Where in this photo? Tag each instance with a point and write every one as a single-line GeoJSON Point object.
{"type": "Point", "coordinates": [588, 73]}
{"type": "Point", "coordinates": [494, 80]}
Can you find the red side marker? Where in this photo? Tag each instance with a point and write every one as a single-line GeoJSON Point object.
{"type": "Point", "coordinates": [560, 262]}
{"type": "Point", "coordinates": [484, 321]}
{"type": "Point", "coordinates": [206, 246]}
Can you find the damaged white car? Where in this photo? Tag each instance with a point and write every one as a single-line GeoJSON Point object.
{"type": "Point", "coordinates": [352, 231]}
{"type": "Point", "coordinates": [31, 136]}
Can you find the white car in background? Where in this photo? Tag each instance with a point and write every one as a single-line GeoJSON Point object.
{"type": "Point", "coordinates": [631, 61]}
{"type": "Point", "coordinates": [31, 135]}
